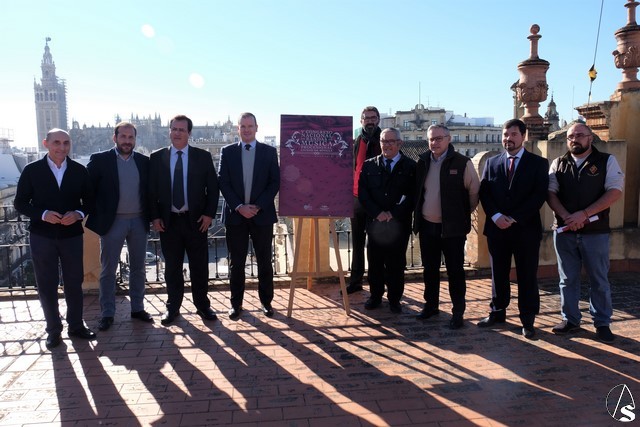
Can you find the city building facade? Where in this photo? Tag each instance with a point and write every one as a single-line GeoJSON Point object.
{"type": "Point", "coordinates": [468, 135]}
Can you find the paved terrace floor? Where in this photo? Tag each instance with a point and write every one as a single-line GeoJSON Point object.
{"type": "Point", "coordinates": [319, 367]}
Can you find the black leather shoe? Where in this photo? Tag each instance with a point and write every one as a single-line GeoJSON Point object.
{"type": "Point", "coordinates": [493, 318]}
{"type": "Point", "coordinates": [84, 333]}
{"type": "Point", "coordinates": [53, 340]}
{"type": "Point", "coordinates": [267, 310]}
{"type": "Point", "coordinates": [565, 327]}
{"type": "Point", "coordinates": [604, 334]}
{"type": "Point", "coordinates": [456, 322]}
{"type": "Point", "coordinates": [142, 315]}
{"type": "Point", "coordinates": [168, 318]}
{"type": "Point", "coordinates": [234, 313]}
{"type": "Point", "coordinates": [105, 323]}
{"type": "Point", "coordinates": [372, 304]}
{"type": "Point", "coordinates": [395, 307]}
{"type": "Point", "coordinates": [353, 288]}
{"type": "Point", "coordinates": [207, 314]}
{"type": "Point", "coordinates": [528, 332]}
{"type": "Point", "coordinates": [427, 313]}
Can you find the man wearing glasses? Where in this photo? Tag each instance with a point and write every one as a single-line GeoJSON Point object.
{"type": "Point", "coordinates": [448, 187]}
{"type": "Point", "coordinates": [386, 188]}
{"type": "Point", "coordinates": [366, 146]}
{"type": "Point", "coordinates": [583, 184]}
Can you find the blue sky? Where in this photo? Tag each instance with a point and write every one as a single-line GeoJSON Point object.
{"type": "Point", "coordinates": [274, 57]}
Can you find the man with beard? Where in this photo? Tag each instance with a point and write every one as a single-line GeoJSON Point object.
{"type": "Point", "coordinates": [386, 189]}
{"type": "Point", "coordinates": [583, 184]}
{"type": "Point", "coordinates": [119, 178]}
{"type": "Point", "coordinates": [366, 146]}
{"type": "Point", "coordinates": [512, 190]}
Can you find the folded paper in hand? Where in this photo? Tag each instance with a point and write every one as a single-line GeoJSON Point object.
{"type": "Point", "coordinates": [566, 227]}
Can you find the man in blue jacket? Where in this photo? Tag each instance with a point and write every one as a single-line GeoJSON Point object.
{"type": "Point", "coordinates": [512, 190]}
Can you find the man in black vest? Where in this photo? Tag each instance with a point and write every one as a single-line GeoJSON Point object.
{"type": "Point", "coordinates": [448, 187]}
{"type": "Point", "coordinates": [366, 146]}
{"type": "Point", "coordinates": [583, 184]}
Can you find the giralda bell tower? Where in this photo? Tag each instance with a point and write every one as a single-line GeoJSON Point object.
{"type": "Point", "coordinates": [50, 97]}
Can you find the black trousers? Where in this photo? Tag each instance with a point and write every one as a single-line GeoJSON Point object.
{"type": "Point", "coordinates": [432, 247]}
{"type": "Point", "coordinates": [386, 254]}
{"type": "Point", "coordinates": [524, 246]}
{"type": "Point", "coordinates": [358, 239]}
{"type": "Point", "coordinates": [238, 246]}
{"type": "Point", "coordinates": [182, 236]}
{"type": "Point", "coordinates": [46, 253]}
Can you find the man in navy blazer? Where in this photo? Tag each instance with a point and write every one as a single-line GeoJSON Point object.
{"type": "Point", "coordinates": [55, 193]}
{"type": "Point", "coordinates": [119, 178]}
{"type": "Point", "coordinates": [512, 190]}
{"type": "Point", "coordinates": [183, 199]}
{"type": "Point", "coordinates": [249, 178]}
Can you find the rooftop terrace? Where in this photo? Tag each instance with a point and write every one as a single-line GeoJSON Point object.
{"type": "Point", "coordinates": [318, 367]}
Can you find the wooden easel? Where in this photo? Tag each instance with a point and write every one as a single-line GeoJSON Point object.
{"type": "Point", "coordinates": [314, 260]}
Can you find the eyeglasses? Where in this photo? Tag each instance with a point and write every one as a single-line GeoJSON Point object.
{"type": "Point", "coordinates": [438, 138]}
{"type": "Point", "coordinates": [370, 118]}
{"type": "Point", "coordinates": [575, 136]}
{"type": "Point", "coordinates": [389, 141]}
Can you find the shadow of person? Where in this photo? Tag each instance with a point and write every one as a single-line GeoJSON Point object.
{"type": "Point", "coordinates": [472, 373]}
{"type": "Point", "coordinates": [174, 369]}
{"type": "Point", "coordinates": [85, 392]}
{"type": "Point", "coordinates": [335, 358]}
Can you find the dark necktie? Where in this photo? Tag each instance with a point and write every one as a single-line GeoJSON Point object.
{"type": "Point", "coordinates": [247, 147]}
{"type": "Point", "coordinates": [178, 183]}
{"type": "Point", "coordinates": [512, 167]}
{"type": "Point", "coordinates": [388, 166]}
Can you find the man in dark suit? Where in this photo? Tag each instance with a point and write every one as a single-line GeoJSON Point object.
{"type": "Point", "coordinates": [183, 199]}
{"type": "Point", "coordinates": [249, 178]}
{"type": "Point", "coordinates": [512, 191]}
{"type": "Point", "coordinates": [366, 146]}
{"type": "Point", "coordinates": [386, 191]}
{"type": "Point", "coordinates": [119, 178]}
{"type": "Point", "coordinates": [55, 193]}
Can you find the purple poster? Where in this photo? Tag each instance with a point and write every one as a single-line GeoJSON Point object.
{"type": "Point", "coordinates": [316, 166]}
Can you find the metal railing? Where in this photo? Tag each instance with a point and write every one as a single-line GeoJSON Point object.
{"type": "Point", "coordinates": [16, 268]}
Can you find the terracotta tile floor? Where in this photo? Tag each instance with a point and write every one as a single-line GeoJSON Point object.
{"type": "Point", "coordinates": [319, 367]}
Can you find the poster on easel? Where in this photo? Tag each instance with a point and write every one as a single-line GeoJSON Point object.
{"type": "Point", "coordinates": [316, 166]}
